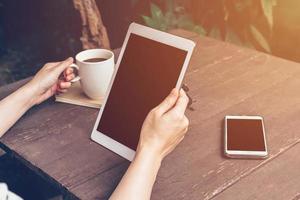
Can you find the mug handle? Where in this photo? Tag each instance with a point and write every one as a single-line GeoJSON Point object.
{"type": "Point", "coordinates": [77, 78]}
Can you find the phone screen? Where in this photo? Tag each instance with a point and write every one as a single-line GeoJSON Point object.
{"type": "Point", "coordinates": [245, 135]}
{"type": "Point", "coordinates": [149, 70]}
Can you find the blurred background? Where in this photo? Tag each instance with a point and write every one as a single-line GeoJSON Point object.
{"type": "Point", "coordinates": [33, 32]}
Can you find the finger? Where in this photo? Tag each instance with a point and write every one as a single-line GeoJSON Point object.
{"type": "Point", "coordinates": [70, 77]}
{"type": "Point", "coordinates": [63, 65]}
{"type": "Point", "coordinates": [181, 103]}
{"type": "Point", "coordinates": [62, 90]}
{"type": "Point", "coordinates": [52, 64]}
{"type": "Point", "coordinates": [168, 102]}
{"type": "Point", "coordinates": [64, 85]}
{"type": "Point", "coordinates": [59, 83]}
{"type": "Point", "coordinates": [69, 71]}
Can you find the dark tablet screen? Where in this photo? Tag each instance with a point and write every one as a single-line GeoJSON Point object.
{"type": "Point", "coordinates": [149, 70]}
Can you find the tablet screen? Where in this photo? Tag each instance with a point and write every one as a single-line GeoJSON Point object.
{"type": "Point", "coordinates": [148, 71]}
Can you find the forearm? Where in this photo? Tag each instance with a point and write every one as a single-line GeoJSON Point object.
{"type": "Point", "coordinates": [14, 106]}
{"type": "Point", "coordinates": [138, 181]}
{"type": "Point", "coordinates": [44, 84]}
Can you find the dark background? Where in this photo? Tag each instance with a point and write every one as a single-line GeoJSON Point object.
{"type": "Point", "coordinates": [33, 32]}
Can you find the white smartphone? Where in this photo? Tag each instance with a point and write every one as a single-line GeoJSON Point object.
{"type": "Point", "coordinates": [245, 137]}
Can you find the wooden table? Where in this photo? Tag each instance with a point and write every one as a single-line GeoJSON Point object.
{"type": "Point", "coordinates": [53, 138]}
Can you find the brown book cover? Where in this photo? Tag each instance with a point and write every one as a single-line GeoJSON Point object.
{"type": "Point", "coordinates": [76, 96]}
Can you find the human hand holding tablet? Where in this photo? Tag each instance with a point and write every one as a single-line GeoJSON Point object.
{"type": "Point", "coordinates": [150, 65]}
{"type": "Point", "coordinates": [165, 125]}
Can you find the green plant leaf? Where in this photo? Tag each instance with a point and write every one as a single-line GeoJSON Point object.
{"type": "Point", "coordinates": [158, 17]}
{"type": "Point", "coordinates": [267, 6]}
{"type": "Point", "coordinates": [156, 12]}
{"type": "Point", "coordinates": [185, 22]}
{"type": "Point", "coordinates": [170, 19]}
{"type": "Point", "coordinates": [170, 5]}
{"type": "Point", "coordinates": [249, 45]}
{"type": "Point", "coordinates": [164, 27]}
{"type": "Point", "coordinates": [199, 29]}
{"type": "Point", "coordinates": [232, 37]}
{"type": "Point", "coordinates": [260, 38]}
{"type": "Point", "coordinates": [150, 22]}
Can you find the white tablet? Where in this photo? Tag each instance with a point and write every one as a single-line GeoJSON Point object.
{"type": "Point", "coordinates": [150, 65]}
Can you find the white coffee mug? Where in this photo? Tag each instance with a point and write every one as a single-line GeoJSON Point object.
{"type": "Point", "coordinates": [94, 76]}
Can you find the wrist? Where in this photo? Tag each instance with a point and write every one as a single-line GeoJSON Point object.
{"type": "Point", "coordinates": [30, 92]}
{"type": "Point", "coordinates": [149, 153]}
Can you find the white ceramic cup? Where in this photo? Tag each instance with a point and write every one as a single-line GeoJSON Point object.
{"type": "Point", "coordinates": [94, 76]}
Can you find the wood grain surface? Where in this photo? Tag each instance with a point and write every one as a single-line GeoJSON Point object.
{"type": "Point", "coordinates": [53, 138]}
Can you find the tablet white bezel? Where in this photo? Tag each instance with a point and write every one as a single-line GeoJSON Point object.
{"type": "Point", "coordinates": [162, 37]}
{"type": "Point", "coordinates": [242, 153]}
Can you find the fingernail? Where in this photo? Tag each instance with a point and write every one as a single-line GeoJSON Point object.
{"type": "Point", "coordinates": [182, 92]}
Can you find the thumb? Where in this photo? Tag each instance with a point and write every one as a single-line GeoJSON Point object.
{"type": "Point", "coordinates": [181, 103]}
{"type": "Point", "coordinates": [168, 102]}
{"type": "Point", "coordinates": [63, 65]}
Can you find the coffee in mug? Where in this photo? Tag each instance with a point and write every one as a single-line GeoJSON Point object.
{"type": "Point", "coordinates": [95, 69]}
{"type": "Point", "coordinates": [95, 60]}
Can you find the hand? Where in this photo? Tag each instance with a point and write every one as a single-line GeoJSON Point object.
{"type": "Point", "coordinates": [165, 126]}
{"type": "Point", "coordinates": [47, 81]}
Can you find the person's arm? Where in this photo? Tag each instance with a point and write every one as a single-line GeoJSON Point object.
{"type": "Point", "coordinates": [163, 129]}
{"type": "Point", "coordinates": [44, 84]}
